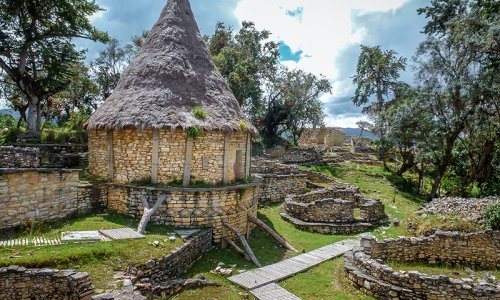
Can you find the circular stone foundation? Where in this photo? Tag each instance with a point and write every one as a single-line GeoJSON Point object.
{"type": "Point", "coordinates": [190, 207]}
{"type": "Point", "coordinates": [334, 210]}
{"type": "Point", "coordinates": [365, 268]}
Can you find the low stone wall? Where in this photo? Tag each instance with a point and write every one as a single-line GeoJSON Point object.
{"type": "Point", "coordinates": [50, 155]}
{"type": "Point", "coordinates": [275, 188]}
{"type": "Point", "coordinates": [176, 263]}
{"type": "Point", "coordinates": [295, 156]}
{"type": "Point", "coordinates": [19, 157]}
{"type": "Point", "coordinates": [366, 270]}
{"type": "Point", "coordinates": [333, 210]}
{"type": "Point", "coordinates": [38, 194]}
{"type": "Point", "coordinates": [21, 283]}
{"type": "Point", "coordinates": [189, 207]}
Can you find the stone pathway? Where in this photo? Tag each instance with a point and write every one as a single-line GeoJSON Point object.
{"type": "Point", "coordinates": [261, 282]}
{"type": "Point", "coordinates": [104, 236]}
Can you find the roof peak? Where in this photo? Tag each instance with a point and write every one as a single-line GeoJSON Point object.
{"type": "Point", "coordinates": [171, 74]}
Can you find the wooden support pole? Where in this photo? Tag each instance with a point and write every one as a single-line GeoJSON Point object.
{"type": "Point", "coordinates": [227, 148]}
{"type": "Point", "coordinates": [248, 155]}
{"type": "Point", "coordinates": [186, 179]}
{"type": "Point", "coordinates": [248, 250]}
{"type": "Point", "coordinates": [271, 232]}
{"type": "Point", "coordinates": [238, 249]}
{"type": "Point", "coordinates": [155, 156]}
{"type": "Point", "coordinates": [111, 167]}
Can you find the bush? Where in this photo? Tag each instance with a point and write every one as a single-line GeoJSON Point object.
{"type": "Point", "coordinates": [7, 121]}
{"type": "Point", "coordinates": [194, 132]}
{"type": "Point", "coordinates": [199, 113]}
{"type": "Point", "coordinates": [492, 215]}
{"type": "Point", "coordinates": [10, 136]}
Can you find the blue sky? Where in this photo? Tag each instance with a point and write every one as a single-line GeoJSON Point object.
{"type": "Point", "coordinates": [319, 36]}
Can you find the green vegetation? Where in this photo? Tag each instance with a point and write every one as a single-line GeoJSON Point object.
{"type": "Point", "coordinates": [194, 132]}
{"type": "Point", "coordinates": [199, 113]}
{"type": "Point", "coordinates": [100, 259]}
{"type": "Point", "coordinates": [492, 215]}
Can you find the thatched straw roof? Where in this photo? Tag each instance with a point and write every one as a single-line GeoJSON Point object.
{"type": "Point", "coordinates": [172, 73]}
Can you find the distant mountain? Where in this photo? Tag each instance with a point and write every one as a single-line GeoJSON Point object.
{"type": "Point", "coordinates": [357, 131]}
{"type": "Point", "coordinates": [11, 112]}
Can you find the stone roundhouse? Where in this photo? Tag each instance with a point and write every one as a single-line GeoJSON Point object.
{"type": "Point", "coordinates": [172, 119]}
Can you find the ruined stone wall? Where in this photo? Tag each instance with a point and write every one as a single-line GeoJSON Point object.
{"type": "Point", "coordinates": [41, 194]}
{"type": "Point", "coordinates": [21, 283]}
{"type": "Point", "coordinates": [190, 207]}
{"type": "Point", "coordinates": [275, 188]}
{"type": "Point", "coordinates": [322, 136]}
{"type": "Point", "coordinates": [177, 263]}
{"type": "Point", "coordinates": [133, 156]}
{"type": "Point", "coordinates": [366, 270]}
{"type": "Point", "coordinates": [19, 157]}
{"type": "Point", "coordinates": [325, 210]}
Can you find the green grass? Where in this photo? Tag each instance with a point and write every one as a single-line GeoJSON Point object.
{"type": "Point", "coordinates": [100, 259]}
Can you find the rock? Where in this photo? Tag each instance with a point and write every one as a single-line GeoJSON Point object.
{"type": "Point", "coordinates": [423, 216]}
{"type": "Point", "coordinates": [106, 296]}
{"type": "Point", "coordinates": [150, 263]}
{"type": "Point", "coordinates": [221, 264]}
{"type": "Point", "coordinates": [127, 282]}
{"type": "Point", "coordinates": [172, 239]}
{"type": "Point", "coordinates": [156, 243]}
{"type": "Point", "coordinates": [396, 222]}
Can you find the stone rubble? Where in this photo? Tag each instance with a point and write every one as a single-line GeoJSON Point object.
{"type": "Point", "coordinates": [470, 208]}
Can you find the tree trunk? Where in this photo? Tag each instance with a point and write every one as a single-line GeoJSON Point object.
{"type": "Point", "coordinates": [149, 212]}
{"type": "Point", "coordinates": [238, 249]}
{"type": "Point", "coordinates": [32, 116]}
{"type": "Point", "coordinates": [39, 117]}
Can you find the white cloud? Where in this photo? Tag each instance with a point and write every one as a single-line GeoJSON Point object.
{"type": "Point", "coordinates": [323, 30]}
{"type": "Point", "coordinates": [344, 121]}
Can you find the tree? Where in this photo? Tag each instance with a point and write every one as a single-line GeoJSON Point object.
{"type": "Point", "coordinates": [109, 66]}
{"type": "Point", "coordinates": [290, 104]}
{"type": "Point", "coordinates": [458, 66]}
{"type": "Point", "coordinates": [15, 99]}
{"type": "Point", "coordinates": [377, 74]}
{"type": "Point", "coordinates": [36, 50]}
{"type": "Point", "coordinates": [244, 59]}
{"type": "Point", "coordinates": [364, 126]}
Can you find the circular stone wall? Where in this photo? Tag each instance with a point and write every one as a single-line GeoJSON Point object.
{"type": "Point", "coordinates": [365, 267]}
{"type": "Point", "coordinates": [334, 210]}
{"type": "Point", "coordinates": [190, 207]}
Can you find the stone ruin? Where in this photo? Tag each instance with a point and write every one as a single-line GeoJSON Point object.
{"type": "Point", "coordinates": [338, 209]}
{"type": "Point", "coordinates": [366, 269]}
{"type": "Point", "coordinates": [322, 136]}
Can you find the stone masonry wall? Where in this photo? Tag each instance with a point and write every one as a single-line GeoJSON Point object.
{"type": "Point", "coordinates": [190, 207]}
{"type": "Point", "coordinates": [19, 157]}
{"type": "Point", "coordinates": [41, 194]}
{"type": "Point", "coordinates": [176, 263]}
{"type": "Point", "coordinates": [133, 153]}
{"type": "Point", "coordinates": [366, 270]}
{"type": "Point", "coordinates": [275, 188]}
{"type": "Point", "coordinates": [21, 283]}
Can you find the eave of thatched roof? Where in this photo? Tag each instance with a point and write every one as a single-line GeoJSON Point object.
{"type": "Point", "coordinates": [172, 73]}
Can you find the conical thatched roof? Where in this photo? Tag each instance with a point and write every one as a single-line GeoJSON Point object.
{"type": "Point", "coordinates": [172, 73]}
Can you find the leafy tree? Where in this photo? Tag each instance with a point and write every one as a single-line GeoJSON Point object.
{"type": "Point", "coordinates": [7, 121]}
{"type": "Point", "coordinates": [291, 103]}
{"type": "Point", "coordinates": [108, 67]}
{"type": "Point", "coordinates": [377, 74]}
{"type": "Point", "coordinates": [36, 50]}
{"type": "Point", "coordinates": [244, 59]}
{"type": "Point", "coordinates": [364, 126]}
{"type": "Point", "coordinates": [457, 64]}
{"type": "Point", "coordinates": [14, 98]}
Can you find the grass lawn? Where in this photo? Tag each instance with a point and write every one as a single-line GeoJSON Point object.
{"type": "Point", "coordinates": [100, 259]}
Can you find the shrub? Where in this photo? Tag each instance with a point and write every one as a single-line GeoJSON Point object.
{"type": "Point", "coordinates": [10, 136]}
{"type": "Point", "coordinates": [194, 132]}
{"type": "Point", "coordinates": [492, 215]}
{"type": "Point", "coordinates": [7, 121]}
{"type": "Point", "coordinates": [199, 113]}
{"type": "Point", "coordinates": [243, 125]}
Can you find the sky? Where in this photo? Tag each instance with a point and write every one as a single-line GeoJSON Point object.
{"type": "Point", "coordinates": [322, 37]}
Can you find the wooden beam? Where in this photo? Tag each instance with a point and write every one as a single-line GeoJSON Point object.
{"type": "Point", "coordinates": [248, 156]}
{"type": "Point", "coordinates": [186, 180]}
{"type": "Point", "coordinates": [111, 167]}
{"type": "Point", "coordinates": [272, 233]}
{"type": "Point", "coordinates": [227, 148]}
{"type": "Point", "coordinates": [155, 156]}
{"type": "Point", "coordinates": [248, 250]}
{"type": "Point", "coordinates": [238, 249]}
